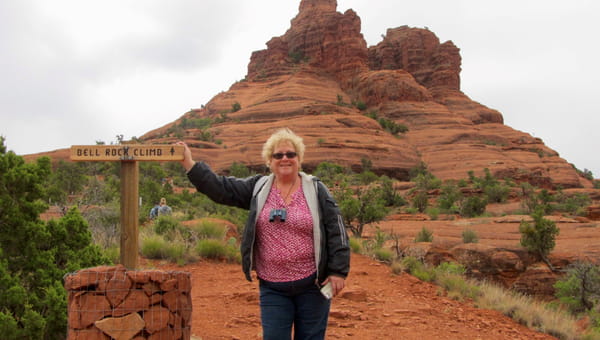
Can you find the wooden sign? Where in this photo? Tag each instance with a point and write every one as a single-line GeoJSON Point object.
{"type": "Point", "coordinates": [127, 152]}
{"type": "Point", "coordinates": [128, 155]}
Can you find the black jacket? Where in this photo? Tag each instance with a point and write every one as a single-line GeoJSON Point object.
{"type": "Point", "coordinates": [332, 253]}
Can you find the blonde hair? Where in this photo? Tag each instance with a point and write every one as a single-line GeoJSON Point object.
{"type": "Point", "coordinates": [279, 136]}
{"type": "Point", "coordinates": [163, 201]}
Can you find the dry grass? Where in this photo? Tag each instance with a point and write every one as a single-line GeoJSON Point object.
{"type": "Point", "coordinates": [528, 311]}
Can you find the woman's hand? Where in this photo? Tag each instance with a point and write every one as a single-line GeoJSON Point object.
{"type": "Point", "coordinates": [187, 161]}
{"type": "Point", "coordinates": [337, 283]}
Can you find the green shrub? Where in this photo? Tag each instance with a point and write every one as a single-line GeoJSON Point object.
{"type": "Point", "coordinates": [497, 193]}
{"type": "Point", "coordinates": [423, 274]}
{"type": "Point", "coordinates": [397, 267]}
{"type": "Point", "coordinates": [411, 210]}
{"type": "Point", "coordinates": [472, 206]}
{"type": "Point", "coordinates": [575, 205]}
{"type": "Point", "coordinates": [433, 212]}
{"type": "Point", "coordinates": [211, 249]}
{"type": "Point", "coordinates": [368, 177]}
{"type": "Point", "coordinates": [449, 196]}
{"type": "Point", "coordinates": [154, 247]}
{"type": "Point", "coordinates": [380, 238]}
{"type": "Point", "coordinates": [232, 251]}
{"type": "Point", "coordinates": [391, 126]}
{"type": "Point", "coordinates": [450, 268]}
{"type": "Point", "coordinates": [113, 253]}
{"type": "Point", "coordinates": [389, 194]}
{"type": "Point", "coordinates": [35, 255]}
{"type": "Point", "coordinates": [210, 229]}
{"type": "Point", "coordinates": [540, 236]}
{"type": "Point", "coordinates": [411, 263]}
{"type": "Point", "coordinates": [383, 254]}
{"type": "Point", "coordinates": [165, 224]}
{"type": "Point", "coordinates": [469, 236]}
{"type": "Point", "coordinates": [356, 245]}
{"type": "Point", "coordinates": [424, 236]}
{"type": "Point", "coordinates": [420, 201]}
{"type": "Point", "coordinates": [360, 105]}
{"type": "Point", "coordinates": [579, 289]}
{"type": "Point", "coordinates": [239, 170]}
{"type": "Point", "coordinates": [426, 181]}
{"type": "Point", "coordinates": [456, 285]}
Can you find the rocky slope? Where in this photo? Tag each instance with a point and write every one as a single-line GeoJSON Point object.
{"type": "Point", "coordinates": [313, 78]}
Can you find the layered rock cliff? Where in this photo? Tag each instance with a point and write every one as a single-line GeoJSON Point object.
{"type": "Point", "coordinates": [321, 80]}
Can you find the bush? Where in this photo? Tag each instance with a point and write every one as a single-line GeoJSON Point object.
{"type": "Point", "coordinates": [153, 247]}
{"type": "Point", "coordinates": [210, 229]}
{"type": "Point", "coordinates": [397, 267]}
{"type": "Point", "coordinates": [35, 255]}
{"type": "Point", "coordinates": [232, 251]}
{"type": "Point", "coordinates": [420, 201]}
{"type": "Point", "coordinates": [165, 224]}
{"type": "Point", "coordinates": [497, 193]}
{"type": "Point", "coordinates": [416, 268]}
{"type": "Point", "coordinates": [356, 245]}
{"type": "Point", "coordinates": [211, 249]}
{"type": "Point", "coordinates": [450, 276]}
{"type": "Point", "coordinates": [575, 204]}
{"type": "Point", "coordinates": [469, 236]}
{"type": "Point", "coordinates": [472, 206]}
{"type": "Point", "coordinates": [449, 196]}
{"type": "Point", "coordinates": [389, 194]}
{"type": "Point", "coordinates": [427, 181]}
{"type": "Point", "coordinates": [383, 254]}
{"type": "Point", "coordinates": [579, 290]}
{"type": "Point", "coordinates": [424, 236]}
{"type": "Point", "coordinates": [540, 236]}
{"type": "Point", "coordinates": [360, 105]}
{"type": "Point", "coordinates": [368, 177]}
{"type": "Point", "coordinates": [450, 268]}
{"type": "Point", "coordinates": [433, 213]}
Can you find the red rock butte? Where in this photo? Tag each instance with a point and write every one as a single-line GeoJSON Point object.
{"type": "Point", "coordinates": [321, 80]}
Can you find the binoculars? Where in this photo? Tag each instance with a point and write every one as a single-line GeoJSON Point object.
{"type": "Point", "coordinates": [278, 215]}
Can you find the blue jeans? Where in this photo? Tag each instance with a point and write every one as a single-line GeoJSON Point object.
{"type": "Point", "coordinates": [298, 303]}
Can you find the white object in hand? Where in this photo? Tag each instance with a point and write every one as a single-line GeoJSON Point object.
{"type": "Point", "coordinates": [327, 290]}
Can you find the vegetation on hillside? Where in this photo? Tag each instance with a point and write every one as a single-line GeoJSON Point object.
{"type": "Point", "coordinates": [87, 234]}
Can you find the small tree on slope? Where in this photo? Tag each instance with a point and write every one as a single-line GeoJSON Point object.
{"type": "Point", "coordinates": [539, 237]}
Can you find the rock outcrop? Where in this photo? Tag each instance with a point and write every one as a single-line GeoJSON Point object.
{"type": "Point", "coordinates": [320, 79]}
{"type": "Point", "coordinates": [313, 78]}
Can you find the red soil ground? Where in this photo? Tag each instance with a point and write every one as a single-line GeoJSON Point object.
{"type": "Point", "coordinates": [376, 304]}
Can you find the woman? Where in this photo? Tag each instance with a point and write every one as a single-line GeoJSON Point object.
{"type": "Point", "coordinates": [294, 238]}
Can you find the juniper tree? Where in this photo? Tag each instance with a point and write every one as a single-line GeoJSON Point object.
{"type": "Point", "coordinates": [539, 237]}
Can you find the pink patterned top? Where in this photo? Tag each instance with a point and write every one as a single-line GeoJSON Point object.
{"type": "Point", "coordinates": [284, 250]}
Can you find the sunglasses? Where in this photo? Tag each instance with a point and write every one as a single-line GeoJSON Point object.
{"type": "Point", "coordinates": [288, 154]}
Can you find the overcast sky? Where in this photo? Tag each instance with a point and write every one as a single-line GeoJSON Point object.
{"type": "Point", "coordinates": [80, 71]}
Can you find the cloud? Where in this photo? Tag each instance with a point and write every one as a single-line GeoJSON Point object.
{"type": "Point", "coordinates": [73, 72]}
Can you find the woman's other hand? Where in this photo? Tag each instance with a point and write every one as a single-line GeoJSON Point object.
{"type": "Point", "coordinates": [337, 283]}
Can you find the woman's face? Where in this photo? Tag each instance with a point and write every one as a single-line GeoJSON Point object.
{"type": "Point", "coordinates": [286, 165]}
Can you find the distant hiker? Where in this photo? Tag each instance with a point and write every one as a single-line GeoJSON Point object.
{"type": "Point", "coordinates": [163, 208]}
{"type": "Point", "coordinates": [154, 212]}
{"type": "Point", "coordinates": [294, 238]}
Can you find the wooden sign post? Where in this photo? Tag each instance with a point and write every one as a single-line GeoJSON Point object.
{"type": "Point", "coordinates": [128, 155]}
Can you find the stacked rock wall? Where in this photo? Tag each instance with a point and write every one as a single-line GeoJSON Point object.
{"type": "Point", "coordinates": [111, 302]}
